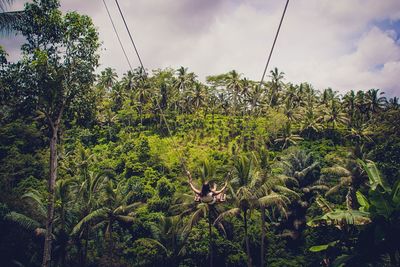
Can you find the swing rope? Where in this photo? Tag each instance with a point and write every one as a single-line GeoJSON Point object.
{"type": "Point", "coordinates": [144, 76]}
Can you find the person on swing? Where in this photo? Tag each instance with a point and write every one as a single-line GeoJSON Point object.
{"type": "Point", "coordinates": [207, 194]}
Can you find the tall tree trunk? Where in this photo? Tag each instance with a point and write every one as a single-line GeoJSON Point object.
{"type": "Point", "coordinates": [247, 240]}
{"type": "Point", "coordinates": [64, 234]}
{"type": "Point", "coordinates": [210, 249]}
{"type": "Point", "coordinates": [262, 252]}
{"type": "Point", "coordinates": [51, 198]}
{"type": "Point", "coordinates": [109, 237]}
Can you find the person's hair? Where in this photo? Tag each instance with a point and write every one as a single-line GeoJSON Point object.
{"type": "Point", "coordinates": [205, 189]}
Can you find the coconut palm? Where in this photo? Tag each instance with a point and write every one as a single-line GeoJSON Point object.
{"type": "Point", "coordinates": [275, 86]}
{"type": "Point", "coordinates": [186, 207]}
{"type": "Point", "coordinates": [288, 138]}
{"type": "Point", "coordinates": [349, 104]}
{"type": "Point", "coordinates": [184, 80]}
{"type": "Point", "coordinates": [311, 123]}
{"type": "Point", "coordinates": [350, 175]}
{"type": "Point", "coordinates": [129, 81]}
{"type": "Point", "coordinates": [302, 170]}
{"type": "Point", "coordinates": [198, 96]}
{"type": "Point", "coordinates": [334, 114]}
{"type": "Point", "coordinates": [37, 223]}
{"type": "Point", "coordinates": [166, 234]}
{"type": "Point", "coordinates": [374, 101]}
{"type": "Point", "coordinates": [108, 77]}
{"type": "Point", "coordinates": [394, 103]}
{"type": "Point", "coordinates": [235, 87]}
{"type": "Point", "coordinates": [272, 194]}
{"type": "Point", "coordinates": [114, 206]}
{"type": "Point", "coordinates": [256, 98]}
{"type": "Point", "coordinates": [87, 186]}
{"type": "Point", "coordinates": [243, 197]}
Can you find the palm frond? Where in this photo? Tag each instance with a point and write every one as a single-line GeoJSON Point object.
{"type": "Point", "coordinates": [323, 204]}
{"type": "Point", "coordinates": [273, 199]}
{"type": "Point", "coordinates": [155, 242]}
{"type": "Point", "coordinates": [287, 191]}
{"type": "Point", "coordinates": [340, 218]}
{"type": "Point", "coordinates": [9, 20]}
{"type": "Point", "coordinates": [228, 213]}
{"type": "Point", "coordinates": [4, 4]}
{"type": "Point", "coordinates": [125, 219]}
{"type": "Point", "coordinates": [22, 220]}
{"type": "Point", "coordinates": [319, 187]}
{"type": "Point", "coordinates": [94, 215]}
{"type": "Point", "coordinates": [35, 196]}
{"type": "Point", "coordinates": [195, 218]}
{"type": "Point", "coordinates": [336, 170]}
{"type": "Point", "coordinates": [128, 208]}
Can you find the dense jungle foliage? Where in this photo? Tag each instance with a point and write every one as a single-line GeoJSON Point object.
{"type": "Point", "coordinates": [93, 167]}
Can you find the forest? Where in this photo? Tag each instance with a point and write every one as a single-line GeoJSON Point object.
{"type": "Point", "coordinates": [94, 166]}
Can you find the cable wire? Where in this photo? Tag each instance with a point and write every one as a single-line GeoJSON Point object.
{"type": "Point", "coordinates": [157, 102]}
{"type": "Point", "coordinates": [273, 45]}
{"type": "Point", "coordinates": [116, 33]}
{"type": "Point", "coordinates": [130, 36]}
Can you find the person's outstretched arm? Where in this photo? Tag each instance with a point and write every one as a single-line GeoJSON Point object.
{"type": "Point", "coordinates": [191, 184]}
{"type": "Point", "coordinates": [222, 189]}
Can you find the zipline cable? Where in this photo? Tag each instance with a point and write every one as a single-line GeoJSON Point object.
{"type": "Point", "coordinates": [130, 36]}
{"type": "Point", "coordinates": [273, 45]}
{"type": "Point", "coordinates": [116, 33]}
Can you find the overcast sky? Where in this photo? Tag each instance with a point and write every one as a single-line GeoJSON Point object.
{"type": "Point", "coordinates": [342, 44]}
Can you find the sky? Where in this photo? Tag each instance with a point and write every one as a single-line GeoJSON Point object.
{"type": "Point", "coordinates": [342, 44]}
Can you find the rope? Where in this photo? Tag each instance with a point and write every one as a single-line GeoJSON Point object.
{"type": "Point", "coordinates": [157, 102]}
{"type": "Point", "coordinates": [130, 36]}
{"type": "Point", "coordinates": [116, 33]}
{"type": "Point", "coordinates": [145, 74]}
{"type": "Point", "coordinates": [273, 45]}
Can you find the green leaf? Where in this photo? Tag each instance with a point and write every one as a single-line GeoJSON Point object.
{"type": "Point", "coordinates": [323, 247]}
{"type": "Point", "coordinates": [22, 220]}
{"type": "Point", "coordinates": [363, 201]}
{"type": "Point", "coordinates": [318, 248]}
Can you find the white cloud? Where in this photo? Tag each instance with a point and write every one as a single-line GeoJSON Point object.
{"type": "Point", "coordinates": [328, 43]}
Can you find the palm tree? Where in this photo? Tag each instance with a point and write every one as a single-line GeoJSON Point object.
{"type": "Point", "coordinates": [37, 223]}
{"type": "Point", "coordinates": [198, 95]}
{"type": "Point", "coordinates": [183, 81]}
{"type": "Point", "coordinates": [114, 207]}
{"type": "Point", "coordinates": [335, 115]}
{"type": "Point", "coordinates": [166, 234]}
{"type": "Point", "coordinates": [374, 101]}
{"type": "Point", "coordinates": [86, 187]}
{"type": "Point", "coordinates": [349, 104]}
{"type": "Point", "coordinates": [350, 174]}
{"type": "Point", "coordinates": [288, 138]}
{"type": "Point", "coordinates": [235, 86]}
{"type": "Point", "coordinates": [271, 193]}
{"type": "Point", "coordinates": [302, 171]}
{"type": "Point", "coordinates": [129, 81]}
{"type": "Point", "coordinates": [311, 122]}
{"type": "Point", "coordinates": [256, 98]}
{"type": "Point", "coordinates": [394, 103]}
{"type": "Point", "coordinates": [244, 198]}
{"type": "Point", "coordinates": [186, 207]}
{"type": "Point", "coordinates": [108, 77]}
{"type": "Point", "coordinates": [276, 86]}
{"type": "Point", "coordinates": [142, 95]}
